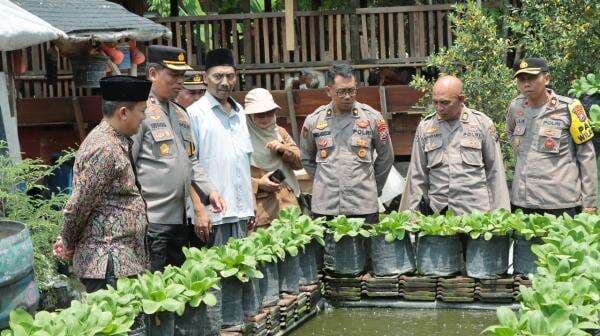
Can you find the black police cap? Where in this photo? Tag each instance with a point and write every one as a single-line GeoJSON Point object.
{"type": "Point", "coordinates": [532, 66]}
{"type": "Point", "coordinates": [170, 57]}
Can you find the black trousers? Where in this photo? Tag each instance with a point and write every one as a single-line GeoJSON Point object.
{"type": "Point", "coordinates": [165, 241]}
{"type": "Point", "coordinates": [556, 212]}
{"type": "Point", "coordinates": [369, 218]}
{"type": "Point", "coordinates": [92, 285]}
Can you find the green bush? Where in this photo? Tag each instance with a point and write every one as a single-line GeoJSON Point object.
{"type": "Point", "coordinates": [563, 32]}
{"type": "Point", "coordinates": [565, 295]}
{"type": "Point", "coordinates": [22, 200]}
{"type": "Point", "coordinates": [477, 57]}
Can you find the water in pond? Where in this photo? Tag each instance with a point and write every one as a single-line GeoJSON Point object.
{"type": "Point", "coordinates": [397, 322]}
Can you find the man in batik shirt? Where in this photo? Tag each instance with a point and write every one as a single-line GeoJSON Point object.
{"type": "Point", "coordinates": [105, 218]}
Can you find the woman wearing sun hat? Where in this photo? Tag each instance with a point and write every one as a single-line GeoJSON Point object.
{"type": "Point", "coordinates": [273, 150]}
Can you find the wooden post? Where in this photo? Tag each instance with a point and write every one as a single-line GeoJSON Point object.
{"type": "Point", "coordinates": [383, 102]}
{"type": "Point", "coordinates": [248, 43]}
{"type": "Point", "coordinates": [292, 114]}
{"type": "Point", "coordinates": [78, 118]}
{"type": "Point", "coordinates": [355, 32]}
{"type": "Point", "coordinates": [290, 29]}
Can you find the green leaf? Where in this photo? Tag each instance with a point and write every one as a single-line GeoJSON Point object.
{"type": "Point", "coordinates": [487, 236]}
{"type": "Point", "coordinates": [229, 272]}
{"type": "Point", "coordinates": [507, 317]}
{"type": "Point", "coordinates": [292, 250]}
{"type": "Point", "coordinates": [209, 299]}
{"type": "Point", "coordinates": [149, 306]}
{"type": "Point", "coordinates": [389, 237]}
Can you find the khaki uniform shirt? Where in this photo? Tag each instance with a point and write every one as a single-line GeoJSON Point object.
{"type": "Point", "coordinates": [456, 165]}
{"type": "Point", "coordinates": [551, 171]}
{"type": "Point", "coordinates": [339, 153]}
{"type": "Point", "coordinates": [165, 157]}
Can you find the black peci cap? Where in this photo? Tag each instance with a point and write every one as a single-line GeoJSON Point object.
{"type": "Point", "coordinates": [218, 57]}
{"type": "Point", "coordinates": [125, 88]}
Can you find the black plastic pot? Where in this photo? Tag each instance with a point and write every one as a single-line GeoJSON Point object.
{"type": "Point", "coordinates": [161, 324]}
{"type": "Point", "coordinates": [251, 297]}
{"type": "Point", "coordinates": [139, 326]}
{"type": "Point", "coordinates": [523, 258]}
{"type": "Point", "coordinates": [439, 255]}
{"type": "Point", "coordinates": [345, 257]}
{"type": "Point", "coordinates": [487, 259]}
{"type": "Point", "coordinates": [308, 265]}
{"type": "Point", "coordinates": [269, 285]}
{"type": "Point", "coordinates": [232, 309]}
{"type": "Point", "coordinates": [190, 323]}
{"type": "Point", "coordinates": [212, 320]}
{"type": "Point", "coordinates": [392, 258]}
{"type": "Point", "coordinates": [289, 275]}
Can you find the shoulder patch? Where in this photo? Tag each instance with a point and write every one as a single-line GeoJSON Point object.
{"type": "Point", "coordinates": [581, 128]}
{"type": "Point", "coordinates": [564, 99]}
{"type": "Point", "coordinates": [429, 116]}
{"type": "Point", "coordinates": [317, 111]}
{"type": "Point", "coordinates": [368, 108]}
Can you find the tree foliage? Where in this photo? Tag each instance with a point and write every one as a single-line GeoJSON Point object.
{"type": "Point", "coordinates": [566, 33]}
{"type": "Point", "coordinates": [477, 57]}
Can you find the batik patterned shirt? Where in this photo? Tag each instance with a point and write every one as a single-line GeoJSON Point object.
{"type": "Point", "coordinates": [106, 213]}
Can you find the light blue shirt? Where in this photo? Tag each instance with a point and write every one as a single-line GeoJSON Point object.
{"type": "Point", "coordinates": [224, 150]}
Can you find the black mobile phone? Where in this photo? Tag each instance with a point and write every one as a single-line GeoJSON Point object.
{"type": "Point", "coordinates": [277, 176]}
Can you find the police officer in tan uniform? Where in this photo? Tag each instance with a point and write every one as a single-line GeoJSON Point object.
{"type": "Point", "coordinates": [168, 172]}
{"type": "Point", "coordinates": [338, 145]}
{"type": "Point", "coordinates": [555, 168]}
{"type": "Point", "coordinates": [456, 162]}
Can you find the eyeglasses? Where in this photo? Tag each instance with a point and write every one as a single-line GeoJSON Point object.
{"type": "Point", "coordinates": [343, 92]}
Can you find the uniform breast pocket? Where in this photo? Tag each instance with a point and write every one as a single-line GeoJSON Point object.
{"type": "Point", "coordinates": [188, 141]}
{"type": "Point", "coordinates": [324, 148]}
{"type": "Point", "coordinates": [549, 138]}
{"type": "Point", "coordinates": [361, 146]}
{"type": "Point", "coordinates": [470, 152]}
{"type": "Point", "coordinates": [434, 151]}
{"type": "Point", "coordinates": [164, 145]}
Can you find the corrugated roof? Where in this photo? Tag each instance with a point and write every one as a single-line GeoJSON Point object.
{"type": "Point", "coordinates": [100, 18]}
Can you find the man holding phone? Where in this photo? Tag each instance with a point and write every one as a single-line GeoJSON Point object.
{"type": "Point", "coordinates": [274, 158]}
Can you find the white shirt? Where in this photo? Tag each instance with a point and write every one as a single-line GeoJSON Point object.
{"type": "Point", "coordinates": [224, 150]}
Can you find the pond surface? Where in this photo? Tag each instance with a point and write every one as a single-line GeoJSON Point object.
{"type": "Point", "coordinates": [397, 322]}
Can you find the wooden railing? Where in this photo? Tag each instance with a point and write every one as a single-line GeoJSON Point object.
{"type": "Point", "coordinates": [369, 38]}
{"type": "Point", "coordinates": [392, 36]}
